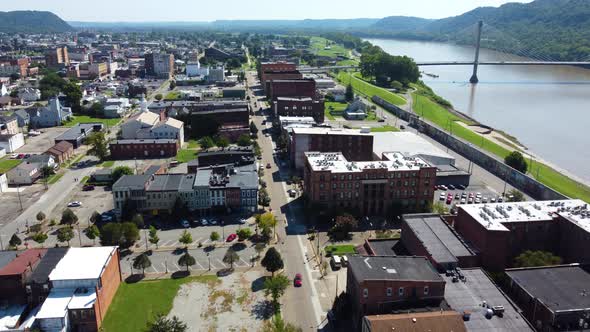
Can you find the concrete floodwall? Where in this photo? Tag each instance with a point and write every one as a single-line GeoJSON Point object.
{"type": "Point", "coordinates": [491, 163]}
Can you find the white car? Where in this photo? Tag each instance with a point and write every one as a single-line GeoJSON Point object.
{"type": "Point", "coordinates": [213, 222]}
{"type": "Point", "coordinates": [204, 222]}
{"type": "Point", "coordinates": [185, 223]}
{"type": "Point", "coordinates": [463, 201]}
{"type": "Point", "coordinates": [74, 204]}
{"type": "Point", "coordinates": [14, 156]}
{"type": "Point", "coordinates": [243, 221]}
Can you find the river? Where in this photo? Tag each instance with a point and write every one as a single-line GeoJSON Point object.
{"type": "Point", "coordinates": [546, 107]}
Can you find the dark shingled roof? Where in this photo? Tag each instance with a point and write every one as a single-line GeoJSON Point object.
{"type": "Point", "coordinates": [559, 288]}
{"type": "Point", "coordinates": [392, 268]}
{"type": "Point", "coordinates": [41, 273]}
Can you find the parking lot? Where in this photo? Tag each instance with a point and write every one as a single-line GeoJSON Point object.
{"type": "Point", "coordinates": [41, 143]}
{"type": "Point", "coordinates": [462, 196]}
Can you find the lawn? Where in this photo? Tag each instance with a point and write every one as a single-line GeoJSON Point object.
{"type": "Point", "coordinates": [137, 303]}
{"type": "Point", "coordinates": [350, 62]}
{"type": "Point", "coordinates": [7, 164]}
{"type": "Point", "coordinates": [323, 47]}
{"type": "Point", "coordinates": [74, 161]}
{"type": "Point", "coordinates": [369, 90]}
{"type": "Point", "coordinates": [186, 155]}
{"type": "Point", "coordinates": [172, 95]}
{"type": "Point", "coordinates": [383, 128]}
{"type": "Point", "coordinates": [193, 144]}
{"type": "Point", "coordinates": [54, 178]}
{"type": "Point", "coordinates": [341, 249]}
{"type": "Point", "coordinates": [107, 164]}
{"type": "Point", "coordinates": [333, 107]}
{"type": "Point", "coordinates": [88, 119]}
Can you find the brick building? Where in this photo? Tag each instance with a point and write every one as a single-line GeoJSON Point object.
{"type": "Point", "coordinates": [37, 283]}
{"type": "Point", "coordinates": [13, 276]}
{"type": "Point", "coordinates": [217, 156]}
{"type": "Point", "coordinates": [355, 145]}
{"type": "Point", "coordinates": [292, 88]}
{"type": "Point", "coordinates": [369, 187]}
{"type": "Point", "coordinates": [159, 65]}
{"type": "Point", "coordinates": [439, 321]}
{"type": "Point", "coordinates": [143, 148]}
{"type": "Point", "coordinates": [299, 106]}
{"type": "Point", "coordinates": [378, 285]}
{"type": "Point", "coordinates": [270, 76]}
{"type": "Point", "coordinates": [61, 151]}
{"type": "Point", "coordinates": [57, 57]}
{"type": "Point", "coordinates": [501, 231]}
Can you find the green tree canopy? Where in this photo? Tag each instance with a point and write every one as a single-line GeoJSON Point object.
{"type": "Point", "coordinates": [98, 145]}
{"type": "Point", "coordinates": [164, 324]}
{"type": "Point", "coordinates": [153, 236]}
{"type": "Point", "coordinates": [142, 262]}
{"type": "Point", "coordinates": [349, 94]}
{"type": "Point", "coordinates": [65, 234]}
{"type": "Point", "coordinates": [185, 238]}
{"type": "Point", "coordinates": [343, 225]}
{"type": "Point", "coordinates": [39, 237]}
{"type": "Point", "coordinates": [515, 196]}
{"type": "Point", "coordinates": [206, 142]}
{"type": "Point", "coordinates": [214, 236]}
{"type": "Point", "coordinates": [68, 217]}
{"type": "Point", "coordinates": [119, 171]}
{"type": "Point", "coordinates": [536, 258]}
{"type": "Point", "coordinates": [272, 261]}
{"type": "Point", "coordinates": [230, 257]}
{"type": "Point", "coordinates": [138, 220]}
{"type": "Point", "coordinates": [244, 140]}
{"type": "Point", "coordinates": [15, 241]}
{"type": "Point", "coordinates": [186, 260]}
{"type": "Point", "coordinates": [516, 160]}
{"type": "Point", "coordinates": [40, 216]}
{"type": "Point", "coordinates": [275, 286]}
{"type": "Point", "coordinates": [244, 234]}
{"type": "Point", "coordinates": [92, 232]}
{"type": "Point", "coordinates": [222, 142]}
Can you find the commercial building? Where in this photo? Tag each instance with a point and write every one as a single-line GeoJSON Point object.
{"type": "Point", "coordinates": [299, 106]}
{"type": "Point", "coordinates": [143, 148]}
{"type": "Point", "coordinates": [159, 65]}
{"type": "Point", "coordinates": [355, 145]}
{"type": "Point", "coordinates": [501, 231]}
{"type": "Point", "coordinates": [77, 134]}
{"type": "Point", "coordinates": [439, 321]}
{"type": "Point", "coordinates": [430, 236]}
{"type": "Point", "coordinates": [194, 69]}
{"type": "Point", "coordinates": [14, 274]}
{"type": "Point", "coordinates": [226, 156]}
{"type": "Point", "coordinates": [553, 298]}
{"type": "Point", "coordinates": [57, 57]}
{"type": "Point", "coordinates": [270, 71]}
{"type": "Point", "coordinates": [292, 88]}
{"type": "Point", "coordinates": [37, 284]}
{"type": "Point", "coordinates": [368, 187]}
{"type": "Point", "coordinates": [216, 74]}
{"type": "Point", "coordinates": [61, 151]}
{"type": "Point", "coordinates": [379, 285]}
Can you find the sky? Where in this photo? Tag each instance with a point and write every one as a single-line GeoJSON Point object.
{"type": "Point", "coordinates": [207, 10]}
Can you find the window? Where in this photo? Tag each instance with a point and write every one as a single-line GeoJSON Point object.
{"type": "Point", "coordinates": [365, 293]}
{"type": "Point", "coordinates": [389, 291]}
{"type": "Point", "coordinates": [426, 290]}
{"type": "Point", "coordinates": [400, 291]}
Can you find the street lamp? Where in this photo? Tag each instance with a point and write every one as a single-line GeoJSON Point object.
{"type": "Point", "coordinates": [209, 258]}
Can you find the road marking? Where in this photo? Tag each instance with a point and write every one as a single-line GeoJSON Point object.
{"type": "Point", "coordinates": [154, 267]}
{"type": "Point", "coordinates": [244, 261]}
{"type": "Point", "coordinates": [164, 267]}
{"type": "Point", "coordinates": [200, 266]}
{"type": "Point", "coordinates": [176, 266]}
{"type": "Point", "coordinates": [222, 263]}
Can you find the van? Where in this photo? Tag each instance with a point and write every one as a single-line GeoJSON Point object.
{"type": "Point", "coordinates": [336, 262]}
{"type": "Point", "coordinates": [344, 261]}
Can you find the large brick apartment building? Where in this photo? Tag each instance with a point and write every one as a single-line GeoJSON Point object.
{"type": "Point", "coordinates": [292, 88]}
{"type": "Point", "coordinates": [369, 187]}
{"type": "Point", "coordinates": [501, 231]}
{"type": "Point", "coordinates": [299, 106]}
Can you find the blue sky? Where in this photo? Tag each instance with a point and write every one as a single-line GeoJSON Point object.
{"type": "Point", "coordinates": [200, 10]}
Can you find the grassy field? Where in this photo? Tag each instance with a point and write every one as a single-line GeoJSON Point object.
{"type": "Point", "coordinates": [323, 47]}
{"type": "Point", "coordinates": [193, 144]}
{"type": "Point", "coordinates": [341, 249]}
{"type": "Point", "coordinates": [88, 119]}
{"type": "Point", "coordinates": [7, 164]}
{"type": "Point", "coordinates": [383, 129]}
{"type": "Point", "coordinates": [54, 178]}
{"type": "Point", "coordinates": [186, 155]}
{"type": "Point", "coordinates": [172, 95]}
{"type": "Point", "coordinates": [369, 90]}
{"type": "Point", "coordinates": [107, 164]}
{"type": "Point", "coordinates": [136, 304]}
{"type": "Point", "coordinates": [331, 106]}
{"type": "Point", "coordinates": [350, 62]}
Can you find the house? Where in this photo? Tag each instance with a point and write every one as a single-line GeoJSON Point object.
{"type": "Point", "coordinates": [169, 129]}
{"type": "Point", "coordinates": [3, 90]}
{"type": "Point", "coordinates": [43, 160]}
{"type": "Point", "coordinates": [29, 94]}
{"type": "Point", "coordinates": [22, 117]}
{"type": "Point", "coordinates": [104, 175]}
{"type": "Point", "coordinates": [357, 110]}
{"type": "Point", "coordinates": [113, 111]}
{"type": "Point", "coordinates": [3, 183]}
{"type": "Point", "coordinates": [78, 133]}
{"type": "Point", "coordinates": [8, 125]}
{"type": "Point", "coordinates": [144, 120]}
{"type": "Point", "coordinates": [24, 174]}
{"type": "Point", "coordinates": [11, 142]}
{"type": "Point", "coordinates": [51, 116]}
{"type": "Point", "coordinates": [61, 151]}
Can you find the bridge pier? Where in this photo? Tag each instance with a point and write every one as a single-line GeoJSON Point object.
{"type": "Point", "coordinates": [474, 78]}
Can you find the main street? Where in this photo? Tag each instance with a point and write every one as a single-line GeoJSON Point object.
{"type": "Point", "coordinates": [300, 305]}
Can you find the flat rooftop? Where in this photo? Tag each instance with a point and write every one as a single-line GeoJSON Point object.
{"type": "Point", "coordinates": [470, 295]}
{"type": "Point", "coordinates": [421, 321]}
{"type": "Point", "coordinates": [330, 131]}
{"type": "Point", "coordinates": [82, 263]}
{"type": "Point", "coordinates": [440, 241]}
{"type": "Point", "coordinates": [493, 216]}
{"type": "Point", "coordinates": [56, 304]}
{"type": "Point", "coordinates": [384, 247]}
{"type": "Point", "coordinates": [560, 288]}
{"type": "Point", "coordinates": [409, 144]}
{"type": "Point", "coordinates": [392, 268]}
{"type": "Point", "coordinates": [337, 163]}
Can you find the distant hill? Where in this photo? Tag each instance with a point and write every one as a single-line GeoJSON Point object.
{"type": "Point", "coordinates": [557, 29]}
{"type": "Point", "coordinates": [32, 22]}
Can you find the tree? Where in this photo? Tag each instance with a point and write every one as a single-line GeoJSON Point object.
{"type": "Point", "coordinates": [92, 233]}
{"type": "Point", "coordinates": [536, 258]}
{"type": "Point", "coordinates": [65, 234]}
{"type": "Point", "coordinates": [119, 171]}
{"type": "Point", "coordinates": [230, 257]}
{"type": "Point", "coordinates": [440, 208]}
{"type": "Point", "coordinates": [95, 217]}
{"type": "Point", "coordinates": [186, 238]}
{"type": "Point", "coordinates": [186, 260]}
{"type": "Point", "coordinates": [515, 196]}
{"type": "Point", "coordinates": [516, 160]}
{"type": "Point", "coordinates": [244, 234]}
{"type": "Point", "coordinates": [263, 197]}
{"type": "Point", "coordinates": [163, 324]}
{"type": "Point", "coordinates": [73, 95]}
{"type": "Point", "coordinates": [222, 142]}
{"type": "Point", "coordinates": [349, 94]}
{"type": "Point", "coordinates": [259, 247]}
{"type": "Point", "coordinates": [275, 286]}
{"type": "Point", "coordinates": [214, 237]}
{"type": "Point", "coordinates": [46, 172]}
{"type": "Point", "coordinates": [158, 97]}
{"type": "Point", "coordinates": [39, 237]}
{"type": "Point", "coordinates": [206, 142]}
{"type": "Point", "coordinates": [97, 110]}
{"type": "Point", "coordinates": [244, 140]}
{"type": "Point", "coordinates": [40, 216]}
{"type": "Point", "coordinates": [130, 233]}
{"type": "Point", "coordinates": [397, 85]}
{"type": "Point", "coordinates": [121, 234]}
{"type": "Point", "coordinates": [272, 261]}
{"type": "Point", "coordinates": [253, 128]}
{"type": "Point", "coordinates": [343, 225]}
{"type": "Point", "coordinates": [68, 217]}
{"type": "Point", "coordinates": [142, 262]}
{"type": "Point", "coordinates": [138, 220]}
{"type": "Point", "coordinates": [277, 324]}
{"type": "Point", "coordinates": [98, 145]}
{"type": "Point", "coordinates": [153, 236]}
{"type": "Point", "coordinates": [15, 241]}
{"type": "Point", "coordinates": [172, 85]}
{"type": "Point", "coordinates": [266, 222]}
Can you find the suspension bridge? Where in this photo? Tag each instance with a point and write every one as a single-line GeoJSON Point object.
{"type": "Point", "coordinates": [505, 54]}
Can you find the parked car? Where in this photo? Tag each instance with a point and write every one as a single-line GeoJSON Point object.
{"type": "Point", "coordinates": [88, 187]}
{"type": "Point", "coordinates": [443, 187]}
{"type": "Point", "coordinates": [457, 196]}
{"type": "Point", "coordinates": [204, 222]}
{"type": "Point", "coordinates": [106, 217]}
{"type": "Point", "coordinates": [500, 199]}
{"type": "Point", "coordinates": [243, 221]}
{"type": "Point", "coordinates": [449, 200]}
{"type": "Point", "coordinates": [74, 204]}
{"type": "Point", "coordinates": [185, 223]}
{"type": "Point", "coordinates": [292, 192]}
{"type": "Point", "coordinates": [20, 156]}
{"type": "Point", "coordinates": [14, 156]}
{"type": "Point", "coordinates": [451, 187]}
{"type": "Point", "coordinates": [442, 196]}
{"type": "Point", "coordinates": [213, 222]}
{"type": "Point", "coordinates": [231, 237]}
{"type": "Point", "coordinates": [462, 187]}
{"type": "Point", "coordinates": [298, 281]}
{"type": "Point", "coordinates": [268, 165]}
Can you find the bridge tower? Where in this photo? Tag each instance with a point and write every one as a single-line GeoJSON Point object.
{"type": "Point", "coordinates": [474, 78]}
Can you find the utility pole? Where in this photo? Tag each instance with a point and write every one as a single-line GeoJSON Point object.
{"type": "Point", "coordinates": [19, 199]}
{"type": "Point", "coordinates": [146, 240]}
{"type": "Point", "coordinates": [474, 78]}
{"type": "Point", "coordinates": [79, 235]}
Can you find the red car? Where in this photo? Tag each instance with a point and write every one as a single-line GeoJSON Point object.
{"type": "Point", "coordinates": [231, 237]}
{"type": "Point", "coordinates": [298, 282]}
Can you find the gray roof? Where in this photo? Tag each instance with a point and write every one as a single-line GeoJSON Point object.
{"type": "Point", "coordinates": [152, 170]}
{"type": "Point", "coordinates": [244, 180]}
{"type": "Point", "coordinates": [384, 247]}
{"type": "Point", "coordinates": [396, 268]}
{"type": "Point", "coordinates": [39, 158]}
{"type": "Point", "coordinates": [47, 263]}
{"type": "Point", "coordinates": [143, 141]}
{"type": "Point", "coordinates": [186, 182]}
{"type": "Point", "coordinates": [202, 178]}
{"type": "Point", "coordinates": [437, 237]}
{"type": "Point", "coordinates": [7, 257]}
{"type": "Point", "coordinates": [469, 295]}
{"type": "Point", "coordinates": [221, 110]}
{"type": "Point", "coordinates": [131, 181]}
{"type": "Point", "coordinates": [559, 288]}
{"type": "Point", "coordinates": [75, 132]}
{"type": "Point", "coordinates": [165, 182]}
{"type": "Point", "coordinates": [103, 171]}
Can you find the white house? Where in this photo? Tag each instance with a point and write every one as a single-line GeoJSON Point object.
{"type": "Point", "coordinates": [3, 90]}
{"type": "Point", "coordinates": [169, 129]}
{"type": "Point", "coordinates": [144, 120]}
{"type": "Point", "coordinates": [12, 142]}
{"type": "Point", "coordinates": [25, 173]}
{"type": "Point", "coordinates": [3, 183]}
{"type": "Point", "coordinates": [30, 94]}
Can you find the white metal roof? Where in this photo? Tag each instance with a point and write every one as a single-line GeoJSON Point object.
{"type": "Point", "coordinates": [82, 263]}
{"type": "Point", "coordinates": [409, 144]}
{"type": "Point", "coordinates": [83, 300]}
{"type": "Point", "coordinates": [56, 303]}
{"type": "Point", "coordinates": [337, 163]}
